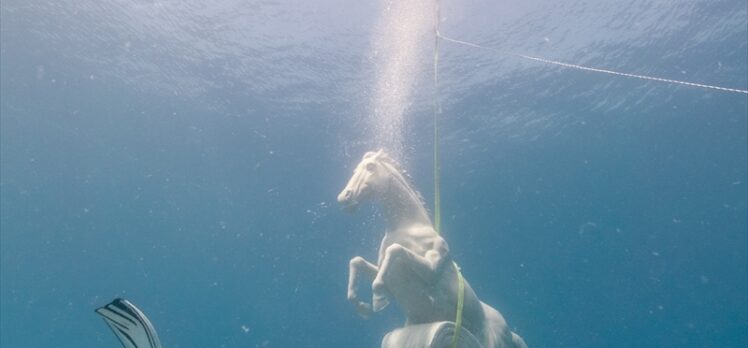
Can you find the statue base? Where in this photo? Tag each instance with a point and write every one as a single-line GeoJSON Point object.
{"type": "Point", "coordinates": [430, 335]}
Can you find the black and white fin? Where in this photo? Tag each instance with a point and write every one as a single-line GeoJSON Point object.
{"type": "Point", "coordinates": [130, 325]}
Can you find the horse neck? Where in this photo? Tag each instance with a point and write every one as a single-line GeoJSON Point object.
{"type": "Point", "coordinates": [402, 207]}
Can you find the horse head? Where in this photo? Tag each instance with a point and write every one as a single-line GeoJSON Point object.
{"type": "Point", "coordinates": [370, 177]}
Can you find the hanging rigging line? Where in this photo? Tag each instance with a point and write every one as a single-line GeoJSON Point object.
{"type": "Point", "coordinates": [586, 68]}
{"type": "Point", "coordinates": [437, 111]}
{"type": "Point", "coordinates": [437, 191]}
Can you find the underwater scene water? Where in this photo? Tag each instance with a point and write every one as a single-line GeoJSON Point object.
{"type": "Point", "coordinates": [187, 155]}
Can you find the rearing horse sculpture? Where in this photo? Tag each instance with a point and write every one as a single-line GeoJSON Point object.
{"type": "Point", "coordinates": [415, 267]}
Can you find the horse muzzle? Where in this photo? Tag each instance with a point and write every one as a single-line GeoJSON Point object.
{"type": "Point", "coordinates": [346, 201]}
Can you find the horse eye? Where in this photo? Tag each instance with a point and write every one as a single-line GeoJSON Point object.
{"type": "Point", "coordinates": [371, 167]}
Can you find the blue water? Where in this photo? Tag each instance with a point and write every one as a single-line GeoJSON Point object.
{"type": "Point", "coordinates": [187, 155]}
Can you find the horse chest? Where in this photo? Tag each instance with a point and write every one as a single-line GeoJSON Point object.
{"type": "Point", "coordinates": [417, 245]}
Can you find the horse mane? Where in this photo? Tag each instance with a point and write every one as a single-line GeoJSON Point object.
{"type": "Point", "coordinates": [402, 175]}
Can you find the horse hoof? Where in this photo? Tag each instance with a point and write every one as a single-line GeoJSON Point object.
{"type": "Point", "coordinates": [364, 310]}
{"type": "Point", "coordinates": [379, 302]}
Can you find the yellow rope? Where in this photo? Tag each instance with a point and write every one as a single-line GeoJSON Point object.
{"type": "Point", "coordinates": [437, 110]}
{"type": "Point", "coordinates": [437, 180]}
{"type": "Point", "coordinates": [460, 304]}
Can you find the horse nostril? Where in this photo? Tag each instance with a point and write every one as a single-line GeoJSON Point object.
{"type": "Point", "coordinates": [345, 195]}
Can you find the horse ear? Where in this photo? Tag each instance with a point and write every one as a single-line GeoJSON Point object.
{"type": "Point", "coordinates": [372, 154]}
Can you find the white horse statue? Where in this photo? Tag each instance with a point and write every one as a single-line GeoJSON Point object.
{"type": "Point", "coordinates": [415, 267]}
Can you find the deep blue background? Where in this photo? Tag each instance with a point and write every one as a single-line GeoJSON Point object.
{"type": "Point", "coordinates": [188, 156]}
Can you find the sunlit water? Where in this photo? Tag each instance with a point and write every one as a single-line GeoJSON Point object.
{"type": "Point", "coordinates": [404, 33]}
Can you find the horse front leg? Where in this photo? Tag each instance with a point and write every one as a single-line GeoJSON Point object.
{"type": "Point", "coordinates": [427, 267]}
{"type": "Point", "coordinates": [356, 265]}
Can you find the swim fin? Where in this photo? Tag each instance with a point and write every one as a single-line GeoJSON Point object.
{"type": "Point", "coordinates": [132, 327]}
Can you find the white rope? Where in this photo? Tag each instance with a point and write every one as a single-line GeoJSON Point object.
{"type": "Point", "coordinates": [580, 67]}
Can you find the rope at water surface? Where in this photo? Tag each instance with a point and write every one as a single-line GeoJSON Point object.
{"type": "Point", "coordinates": [597, 70]}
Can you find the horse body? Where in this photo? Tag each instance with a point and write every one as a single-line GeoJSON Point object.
{"type": "Point", "coordinates": [414, 266]}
